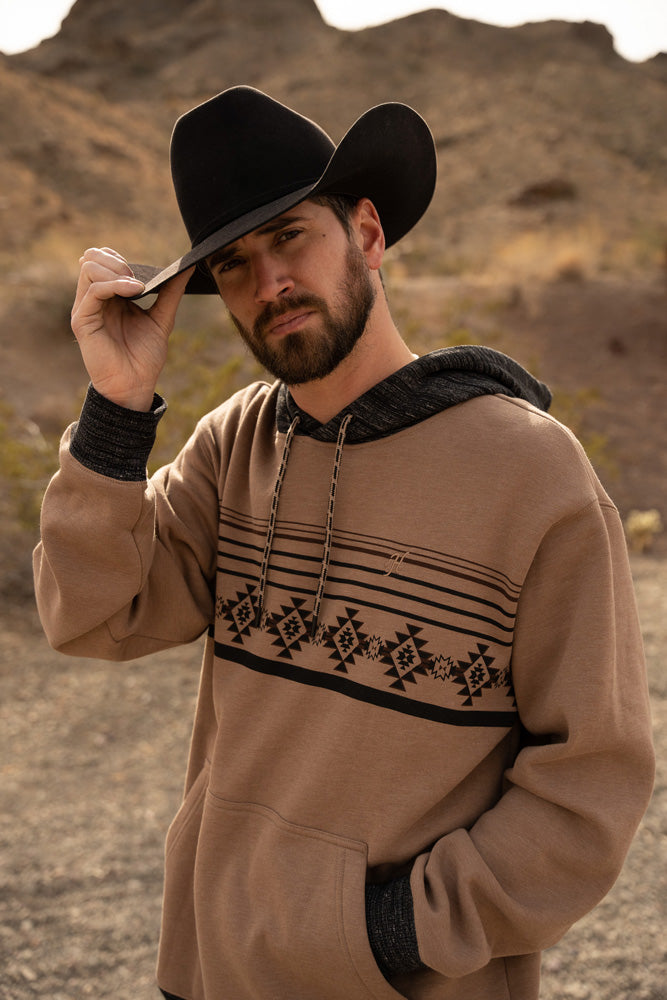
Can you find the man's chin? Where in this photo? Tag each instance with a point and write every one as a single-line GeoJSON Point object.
{"type": "Point", "coordinates": [290, 362]}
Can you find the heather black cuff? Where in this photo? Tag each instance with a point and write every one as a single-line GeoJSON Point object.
{"type": "Point", "coordinates": [114, 441]}
{"type": "Point", "coordinates": [390, 920]}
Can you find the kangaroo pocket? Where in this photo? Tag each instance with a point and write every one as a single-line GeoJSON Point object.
{"type": "Point", "coordinates": [280, 909]}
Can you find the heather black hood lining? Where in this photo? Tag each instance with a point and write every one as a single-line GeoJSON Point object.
{"type": "Point", "coordinates": [421, 389]}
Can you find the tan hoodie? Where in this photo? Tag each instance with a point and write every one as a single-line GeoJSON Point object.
{"type": "Point", "coordinates": [423, 664]}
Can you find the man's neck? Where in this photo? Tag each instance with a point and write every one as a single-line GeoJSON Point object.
{"type": "Point", "coordinates": [379, 353]}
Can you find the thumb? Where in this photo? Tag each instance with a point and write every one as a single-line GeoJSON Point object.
{"type": "Point", "coordinates": [163, 310]}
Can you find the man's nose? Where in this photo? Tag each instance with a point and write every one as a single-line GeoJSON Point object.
{"type": "Point", "coordinates": [271, 279]}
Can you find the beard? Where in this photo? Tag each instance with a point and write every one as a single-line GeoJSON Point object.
{"type": "Point", "coordinates": [301, 356]}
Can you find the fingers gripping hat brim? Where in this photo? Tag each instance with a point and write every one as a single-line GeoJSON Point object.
{"type": "Point", "coordinates": [388, 156]}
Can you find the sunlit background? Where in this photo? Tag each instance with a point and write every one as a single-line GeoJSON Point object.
{"type": "Point", "coordinates": [639, 27]}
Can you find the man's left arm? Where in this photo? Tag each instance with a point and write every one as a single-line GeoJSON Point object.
{"type": "Point", "coordinates": [555, 842]}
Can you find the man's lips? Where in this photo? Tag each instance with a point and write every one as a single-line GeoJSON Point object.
{"type": "Point", "coordinates": [289, 322]}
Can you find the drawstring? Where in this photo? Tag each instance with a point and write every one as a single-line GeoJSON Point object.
{"type": "Point", "coordinates": [329, 526]}
{"type": "Point", "coordinates": [328, 533]}
{"type": "Point", "coordinates": [272, 521]}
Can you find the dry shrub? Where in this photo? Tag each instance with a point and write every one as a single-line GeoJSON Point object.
{"type": "Point", "coordinates": [641, 529]}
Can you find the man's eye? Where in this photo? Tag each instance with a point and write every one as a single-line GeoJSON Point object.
{"type": "Point", "coordinates": [228, 265]}
{"type": "Point", "coordinates": [289, 234]}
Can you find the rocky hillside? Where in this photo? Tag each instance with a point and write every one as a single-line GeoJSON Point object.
{"type": "Point", "coordinates": [547, 235]}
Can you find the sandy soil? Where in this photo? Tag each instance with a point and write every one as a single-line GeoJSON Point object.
{"type": "Point", "coordinates": [92, 757]}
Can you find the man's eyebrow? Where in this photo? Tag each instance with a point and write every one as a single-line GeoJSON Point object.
{"type": "Point", "coordinates": [220, 256]}
{"type": "Point", "coordinates": [273, 226]}
{"type": "Point", "coordinates": [283, 220]}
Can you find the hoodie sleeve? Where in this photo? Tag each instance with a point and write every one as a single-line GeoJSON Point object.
{"type": "Point", "coordinates": [125, 565]}
{"type": "Point", "coordinates": [556, 840]}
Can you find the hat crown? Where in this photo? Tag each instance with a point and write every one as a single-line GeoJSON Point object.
{"type": "Point", "coordinates": [239, 151]}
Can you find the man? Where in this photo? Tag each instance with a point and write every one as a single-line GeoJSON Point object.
{"type": "Point", "coordinates": [422, 741]}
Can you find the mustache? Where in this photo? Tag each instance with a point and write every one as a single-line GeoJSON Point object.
{"type": "Point", "coordinates": [274, 310]}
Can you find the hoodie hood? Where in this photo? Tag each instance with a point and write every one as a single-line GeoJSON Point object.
{"type": "Point", "coordinates": [421, 389]}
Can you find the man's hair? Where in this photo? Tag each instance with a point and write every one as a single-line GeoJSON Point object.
{"type": "Point", "coordinates": [342, 206]}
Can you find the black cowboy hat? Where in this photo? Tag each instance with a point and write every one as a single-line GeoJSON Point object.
{"type": "Point", "coordinates": [242, 158]}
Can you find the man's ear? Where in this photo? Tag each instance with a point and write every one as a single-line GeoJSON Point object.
{"type": "Point", "coordinates": [370, 233]}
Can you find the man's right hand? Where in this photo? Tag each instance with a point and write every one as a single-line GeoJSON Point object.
{"type": "Point", "coordinates": [124, 347]}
